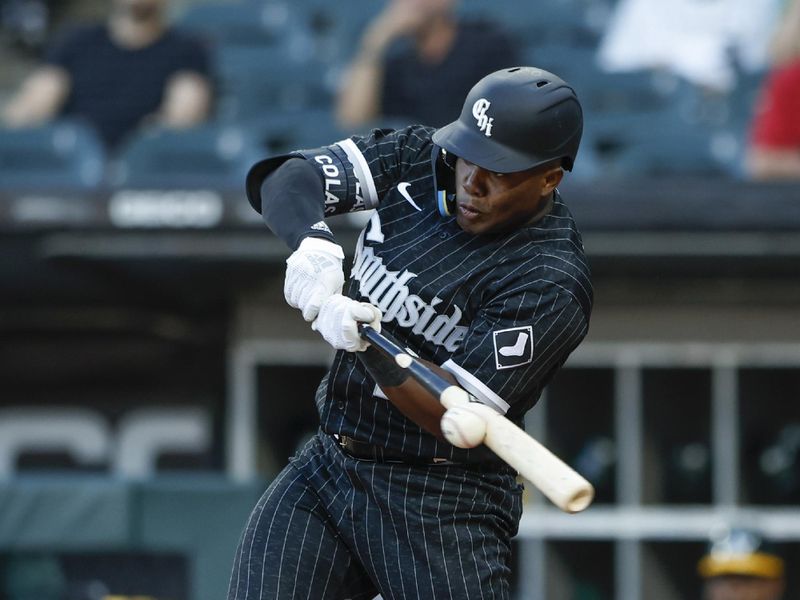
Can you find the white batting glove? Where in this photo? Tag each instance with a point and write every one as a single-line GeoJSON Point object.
{"type": "Point", "coordinates": [313, 273]}
{"type": "Point", "coordinates": [338, 322]}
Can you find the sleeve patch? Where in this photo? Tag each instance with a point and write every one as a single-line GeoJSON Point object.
{"type": "Point", "coordinates": [513, 347]}
{"type": "Point", "coordinates": [365, 185]}
{"type": "Point", "coordinates": [334, 176]}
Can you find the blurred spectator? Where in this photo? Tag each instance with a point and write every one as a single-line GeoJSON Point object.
{"type": "Point", "coordinates": [739, 566]}
{"type": "Point", "coordinates": [133, 70]}
{"type": "Point", "coordinates": [417, 61]}
{"type": "Point", "coordinates": [703, 41]}
{"type": "Point", "coordinates": [774, 151]}
{"type": "Point", "coordinates": [24, 22]}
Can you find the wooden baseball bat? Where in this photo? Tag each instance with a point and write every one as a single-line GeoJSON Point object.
{"type": "Point", "coordinates": [564, 486]}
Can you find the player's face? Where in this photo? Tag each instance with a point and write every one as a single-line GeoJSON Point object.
{"type": "Point", "coordinates": [743, 588]}
{"type": "Point", "coordinates": [488, 202]}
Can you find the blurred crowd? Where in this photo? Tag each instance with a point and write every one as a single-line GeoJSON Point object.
{"type": "Point", "coordinates": [693, 88]}
{"type": "Point", "coordinates": [130, 72]}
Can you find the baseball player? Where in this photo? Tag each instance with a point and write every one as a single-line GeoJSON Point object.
{"type": "Point", "coordinates": [472, 262]}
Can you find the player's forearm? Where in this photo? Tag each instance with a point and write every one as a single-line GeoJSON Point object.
{"type": "Point", "coordinates": [292, 202]}
{"type": "Point", "coordinates": [419, 405]}
{"type": "Point", "coordinates": [410, 398]}
{"type": "Point", "coordinates": [766, 164]}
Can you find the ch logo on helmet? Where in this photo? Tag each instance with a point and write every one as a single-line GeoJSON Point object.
{"type": "Point", "coordinates": [479, 112]}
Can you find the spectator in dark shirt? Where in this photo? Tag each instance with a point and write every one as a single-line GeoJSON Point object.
{"type": "Point", "coordinates": [118, 76]}
{"type": "Point", "coordinates": [417, 61]}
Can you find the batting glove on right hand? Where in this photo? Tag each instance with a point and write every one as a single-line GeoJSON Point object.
{"type": "Point", "coordinates": [338, 322]}
{"type": "Point", "coordinates": [313, 274]}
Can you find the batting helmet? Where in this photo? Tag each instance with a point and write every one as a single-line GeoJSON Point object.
{"type": "Point", "coordinates": [740, 552]}
{"type": "Point", "coordinates": [515, 119]}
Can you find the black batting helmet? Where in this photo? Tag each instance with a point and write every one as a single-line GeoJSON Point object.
{"type": "Point", "coordinates": [515, 119]}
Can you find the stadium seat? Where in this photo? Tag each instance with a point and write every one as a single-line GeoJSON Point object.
{"type": "Point", "coordinates": [571, 63]}
{"type": "Point", "coordinates": [239, 22]}
{"type": "Point", "coordinates": [210, 156]}
{"type": "Point", "coordinates": [335, 27]}
{"type": "Point", "coordinates": [254, 80]}
{"type": "Point", "coordinates": [282, 132]}
{"type": "Point", "coordinates": [577, 22]}
{"type": "Point", "coordinates": [668, 144]}
{"type": "Point", "coordinates": [587, 163]}
{"type": "Point", "coordinates": [615, 100]}
{"type": "Point", "coordinates": [65, 155]}
{"type": "Point", "coordinates": [744, 96]}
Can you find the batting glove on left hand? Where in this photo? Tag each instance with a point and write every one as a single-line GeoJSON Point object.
{"type": "Point", "coordinates": [338, 321]}
{"type": "Point", "coordinates": [313, 273]}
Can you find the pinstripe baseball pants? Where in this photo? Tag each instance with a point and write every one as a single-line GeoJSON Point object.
{"type": "Point", "coordinates": [331, 527]}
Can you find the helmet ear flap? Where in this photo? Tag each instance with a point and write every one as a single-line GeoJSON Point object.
{"type": "Point", "coordinates": [446, 203]}
{"type": "Point", "coordinates": [446, 182]}
{"type": "Point", "coordinates": [449, 159]}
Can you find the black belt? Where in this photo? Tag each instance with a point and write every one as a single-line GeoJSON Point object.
{"type": "Point", "coordinates": [366, 451]}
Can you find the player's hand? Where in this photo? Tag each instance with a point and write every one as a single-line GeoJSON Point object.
{"type": "Point", "coordinates": [338, 322]}
{"type": "Point", "coordinates": [313, 274]}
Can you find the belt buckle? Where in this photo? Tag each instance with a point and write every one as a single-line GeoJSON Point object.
{"type": "Point", "coordinates": [348, 445]}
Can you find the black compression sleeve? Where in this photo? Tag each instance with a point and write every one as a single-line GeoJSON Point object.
{"type": "Point", "coordinates": [292, 202]}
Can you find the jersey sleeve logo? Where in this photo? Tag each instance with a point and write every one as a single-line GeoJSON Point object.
{"type": "Point", "coordinates": [403, 189]}
{"type": "Point", "coordinates": [513, 347]}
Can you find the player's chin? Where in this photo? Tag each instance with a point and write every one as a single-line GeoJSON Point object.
{"type": "Point", "coordinates": [481, 225]}
{"type": "Point", "coordinates": [465, 225]}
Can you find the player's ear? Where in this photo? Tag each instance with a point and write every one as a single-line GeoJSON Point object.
{"type": "Point", "coordinates": [551, 178]}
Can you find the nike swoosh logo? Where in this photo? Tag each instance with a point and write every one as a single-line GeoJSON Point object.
{"type": "Point", "coordinates": [403, 189]}
{"type": "Point", "coordinates": [518, 348]}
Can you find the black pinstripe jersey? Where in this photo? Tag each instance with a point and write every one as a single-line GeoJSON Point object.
{"type": "Point", "coordinates": [500, 312]}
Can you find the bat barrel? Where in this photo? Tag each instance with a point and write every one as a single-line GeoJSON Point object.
{"type": "Point", "coordinates": [576, 499]}
{"type": "Point", "coordinates": [581, 500]}
{"type": "Point", "coordinates": [565, 487]}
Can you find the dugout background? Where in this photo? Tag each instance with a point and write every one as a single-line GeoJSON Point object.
{"type": "Point", "coordinates": [152, 380]}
